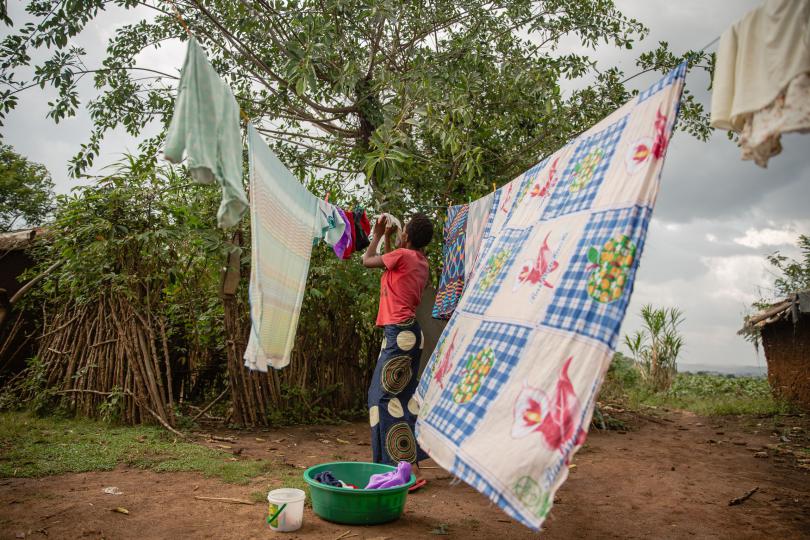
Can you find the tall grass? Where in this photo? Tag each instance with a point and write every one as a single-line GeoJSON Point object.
{"type": "Point", "coordinates": [701, 393]}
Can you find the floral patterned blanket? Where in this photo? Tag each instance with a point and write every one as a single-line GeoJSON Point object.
{"type": "Point", "coordinates": [507, 397]}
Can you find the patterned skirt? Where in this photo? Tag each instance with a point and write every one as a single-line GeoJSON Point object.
{"type": "Point", "coordinates": [392, 407]}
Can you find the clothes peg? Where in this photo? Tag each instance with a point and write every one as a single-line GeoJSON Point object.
{"type": "Point", "coordinates": [493, 187]}
{"type": "Point", "coordinates": [326, 199]}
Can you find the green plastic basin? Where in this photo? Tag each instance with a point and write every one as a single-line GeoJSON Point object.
{"type": "Point", "coordinates": [356, 506]}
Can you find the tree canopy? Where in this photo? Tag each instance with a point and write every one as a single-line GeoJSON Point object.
{"type": "Point", "coordinates": [26, 191]}
{"type": "Point", "coordinates": [401, 105]}
{"type": "Point", "coordinates": [792, 275]}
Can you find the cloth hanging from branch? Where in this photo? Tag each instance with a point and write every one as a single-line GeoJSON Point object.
{"type": "Point", "coordinates": [205, 125]}
{"type": "Point", "coordinates": [508, 394]}
{"type": "Point", "coordinates": [285, 218]}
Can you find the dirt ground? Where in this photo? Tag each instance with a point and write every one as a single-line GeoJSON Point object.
{"type": "Point", "coordinates": [671, 475]}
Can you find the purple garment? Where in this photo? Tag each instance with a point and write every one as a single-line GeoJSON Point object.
{"type": "Point", "coordinates": [399, 477]}
{"type": "Point", "coordinates": [345, 241]}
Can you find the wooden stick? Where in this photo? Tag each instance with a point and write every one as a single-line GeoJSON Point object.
{"type": "Point", "coordinates": [770, 312]}
{"type": "Point", "coordinates": [105, 342]}
{"type": "Point", "coordinates": [25, 288]}
{"type": "Point", "coordinates": [205, 410]}
{"type": "Point", "coordinates": [739, 500]}
{"type": "Point", "coordinates": [223, 499]}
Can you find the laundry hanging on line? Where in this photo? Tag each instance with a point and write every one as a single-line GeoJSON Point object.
{"type": "Point", "coordinates": [476, 223]}
{"type": "Point", "coordinates": [451, 282]}
{"type": "Point", "coordinates": [285, 218]}
{"type": "Point", "coordinates": [761, 85]}
{"type": "Point", "coordinates": [355, 234]}
{"type": "Point", "coordinates": [205, 126]}
{"type": "Point", "coordinates": [508, 394]}
{"type": "Point", "coordinates": [362, 228]}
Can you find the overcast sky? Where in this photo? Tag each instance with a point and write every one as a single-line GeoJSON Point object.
{"type": "Point", "coordinates": [715, 220]}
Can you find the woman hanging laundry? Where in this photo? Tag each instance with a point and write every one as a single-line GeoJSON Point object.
{"type": "Point", "coordinates": [392, 408]}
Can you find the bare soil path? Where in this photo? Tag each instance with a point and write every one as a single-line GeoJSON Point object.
{"type": "Point", "coordinates": [668, 476]}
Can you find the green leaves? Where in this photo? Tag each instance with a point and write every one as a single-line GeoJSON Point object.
{"type": "Point", "coordinates": [656, 346]}
{"type": "Point", "coordinates": [441, 99]}
{"type": "Point", "coordinates": [26, 191]}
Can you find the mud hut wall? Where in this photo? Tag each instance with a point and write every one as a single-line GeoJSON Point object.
{"type": "Point", "coordinates": [787, 350]}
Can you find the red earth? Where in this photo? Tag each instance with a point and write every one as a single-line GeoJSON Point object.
{"type": "Point", "coordinates": [669, 475]}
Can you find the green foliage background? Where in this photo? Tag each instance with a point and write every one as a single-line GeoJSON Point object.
{"type": "Point", "coordinates": [26, 191]}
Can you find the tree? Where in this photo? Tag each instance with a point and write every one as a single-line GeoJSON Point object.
{"type": "Point", "coordinates": [794, 275]}
{"type": "Point", "coordinates": [403, 105]}
{"type": "Point", "coordinates": [26, 191]}
{"type": "Point", "coordinates": [656, 346]}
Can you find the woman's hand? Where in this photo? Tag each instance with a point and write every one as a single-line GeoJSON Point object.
{"type": "Point", "coordinates": [381, 227]}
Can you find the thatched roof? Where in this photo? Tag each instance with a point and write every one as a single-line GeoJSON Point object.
{"type": "Point", "coordinates": [791, 307]}
{"type": "Point", "coordinates": [16, 240]}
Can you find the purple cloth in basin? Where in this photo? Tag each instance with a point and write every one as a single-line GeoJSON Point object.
{"type": "Point", "coordinates": [399, 477]}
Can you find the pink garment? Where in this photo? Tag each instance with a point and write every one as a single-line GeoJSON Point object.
{"type": "Point", "coordinates": [399, 477]}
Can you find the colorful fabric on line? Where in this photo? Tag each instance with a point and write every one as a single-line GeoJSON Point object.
{"type": "Point", "coordinates": [508, 394]}
{"type": "Point", "coordinates": [451, 283]}
{"type": "Point", "coordinates": [285, 218]}
{"type": "Point", "coordinates": [362, 228]}
{"type": "Point", "coordinates": [477, 217]}
{"type": "Point", "coordinates": [391, 406]}
{"type": "Point", "coordinates": [345, 241]}
{"type": "Point", "coordinates": [205, 125]}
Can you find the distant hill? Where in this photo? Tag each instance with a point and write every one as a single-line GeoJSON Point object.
{"type": "Point", "coordinates": [737, 371]}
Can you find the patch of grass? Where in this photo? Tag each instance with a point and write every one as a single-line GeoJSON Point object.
{"type": "Point", "coordinates": [32, 447]}
{"type": "Point", "coordinates": [289, 479]}
{"type": "Point", "coordinates": [705, 394]}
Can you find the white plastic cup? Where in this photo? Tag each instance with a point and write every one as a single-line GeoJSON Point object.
{"type": "Point", "coordinates": [291, 518]}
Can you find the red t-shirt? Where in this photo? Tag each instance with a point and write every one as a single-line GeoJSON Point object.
{"type": "Point", "coordinates": [401, 285]}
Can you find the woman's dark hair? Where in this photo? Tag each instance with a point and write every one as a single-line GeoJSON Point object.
{"type": "Point", "coordinates": [420, 230]}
